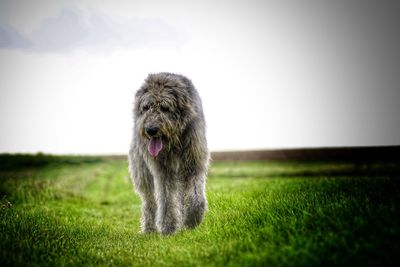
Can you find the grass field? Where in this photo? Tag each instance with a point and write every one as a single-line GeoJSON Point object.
{"type": "Point", "coordinates": [80, 211]}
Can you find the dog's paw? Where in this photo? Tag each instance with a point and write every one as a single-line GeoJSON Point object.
{"type": "Point", "coordinates": [195, 214]}
{"type": "Point", "coordinates": [168, 230]}
{"type": "Point", "coordinates": [148, 230]}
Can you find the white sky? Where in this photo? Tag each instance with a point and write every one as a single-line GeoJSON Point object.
{"type": "Point", "coordinates": [271, 74]}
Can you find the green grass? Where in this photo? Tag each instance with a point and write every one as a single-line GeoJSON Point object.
{"type": "Point", "coordinates": [79, 211]}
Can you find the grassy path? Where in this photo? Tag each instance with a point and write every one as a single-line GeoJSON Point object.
{"type": "Point", "coordinates": [85, 214]}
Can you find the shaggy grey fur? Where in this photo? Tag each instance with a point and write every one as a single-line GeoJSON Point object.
{"type": "Point", "coordinates": [168, 157]}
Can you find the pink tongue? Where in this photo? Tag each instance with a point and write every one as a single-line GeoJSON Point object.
{"type": "Point", "coordinates": [155, 146]}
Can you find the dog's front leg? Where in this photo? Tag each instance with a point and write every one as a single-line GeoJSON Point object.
{"type": "Point", "coordinates": [148, 214]}
{"type": "Point", "coordinates": [169, 215]}
{"type": "Point", "coordinates": [195, 201]}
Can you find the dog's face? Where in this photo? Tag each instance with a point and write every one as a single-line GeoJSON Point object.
{"type": "Point", "coordinates": [162, 110]}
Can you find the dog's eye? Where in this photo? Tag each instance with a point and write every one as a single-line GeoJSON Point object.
{"type": "Point", "coordinates": [164, 109]}
{"type": "Point", "coordinates": [145, 108]}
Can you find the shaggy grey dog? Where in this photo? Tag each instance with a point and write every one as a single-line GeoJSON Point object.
{"type": "Point", "coordinates": [168, 157]}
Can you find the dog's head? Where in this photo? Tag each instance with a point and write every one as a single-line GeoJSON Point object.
{"type": "Point", "coordinates": [163, 109]}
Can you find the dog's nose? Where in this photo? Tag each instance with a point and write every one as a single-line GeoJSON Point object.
{"type": "Point", "coordinates": [152, 130]}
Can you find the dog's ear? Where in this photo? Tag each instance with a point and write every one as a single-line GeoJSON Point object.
{"type": "Point", "coordinates": [142, 90]}
{"type": "Point", "coordinates": [189, 110]}
{"type": "Point", "coordinates": [138, 100]}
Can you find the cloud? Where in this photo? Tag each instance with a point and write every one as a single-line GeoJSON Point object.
{"type": "Point", "coordinates": [11, 38]}
{"type": "Point", "coordinates": [74, 28]}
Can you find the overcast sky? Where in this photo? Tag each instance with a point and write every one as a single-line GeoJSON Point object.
{"type": "Point", "coordinates": [272, 74]}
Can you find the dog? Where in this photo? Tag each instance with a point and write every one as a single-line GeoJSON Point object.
{"type": "Point", "coordinates": [168, 156]}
